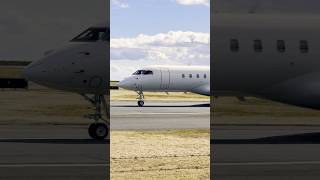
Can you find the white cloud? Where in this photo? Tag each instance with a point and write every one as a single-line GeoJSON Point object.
{"type": "Point", "coordinates": [172, 48]}
{"type": "Point", "coordinates": [194, 2]}
{"type": "Point", "coordinates": [120, 4]}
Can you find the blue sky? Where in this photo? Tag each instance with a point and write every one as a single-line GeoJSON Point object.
{"type": "Point", "coordinates": [158, 32]}
{"type": "Point", "coordinates": [157, 16]}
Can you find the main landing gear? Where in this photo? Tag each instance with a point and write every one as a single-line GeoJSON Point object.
{"type": "Point", "coordinates": [99, 129]}
{"type": "Point", "coordinates": [140, 98]}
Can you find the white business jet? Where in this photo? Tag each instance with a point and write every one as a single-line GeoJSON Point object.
{"type": "Point", "coordinates": [194, 79]}
{"type": "Point", "coordinates": [80, 67]}
{"type": "Point", "coordinates": [268, 49]}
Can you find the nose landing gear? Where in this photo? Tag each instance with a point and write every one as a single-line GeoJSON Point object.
{"type": "Point", "coordinates": [140, 98]}
{"type": "Point", "coordinates": [98, 131]}
{"type": "Point", "coordinates": [100, 128]}
{"type": "Point", "coordinates": [140, 103]}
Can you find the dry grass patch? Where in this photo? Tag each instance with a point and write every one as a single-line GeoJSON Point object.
{"type": "Point", "coordinates": [11, 72]}
{"type": "Point", "coordinates": [229, 110]}
{"type": "Point", "coordinates": [172, 154]}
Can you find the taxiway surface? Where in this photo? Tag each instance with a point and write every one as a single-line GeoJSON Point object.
{"type": "Point", "coordinates": [67, 152]}
{"type": "Point", "coordinates": [265, 152]}
{"type": "Point", "coordinates": [159, 115]}
{"type": "Point", "coordinates": [51, 152]}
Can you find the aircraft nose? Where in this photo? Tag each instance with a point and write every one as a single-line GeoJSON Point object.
{"type": "Point", "coordinates": [29, 73]}
{"type": "Point", "coordinates": [34, 72]}
{"type": "Point", "coordinates": [125, 84]}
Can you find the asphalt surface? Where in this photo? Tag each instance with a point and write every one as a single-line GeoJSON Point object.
{"type": "Point", "coordinates": [66, 152]}
{"type": "Point", "coordinates": [44, 152]}
{"type": "Point", "coordinates": [265, 152]}
{"type": "Point", "coordinates": [159, 115]}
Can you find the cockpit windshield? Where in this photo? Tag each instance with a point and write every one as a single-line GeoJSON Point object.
{"type": "Point", "coordinates": [143, 72]}
{"type": "Point", "coordinates": [93, 34]}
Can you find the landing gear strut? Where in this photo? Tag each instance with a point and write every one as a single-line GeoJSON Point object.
{"type": "Point", "coordinates": [99, 129]}
{"type": "Point", "coordinates": [140, 98]}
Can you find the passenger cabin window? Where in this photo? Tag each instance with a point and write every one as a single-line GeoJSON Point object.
{"type": "Point", "coordinates": [93, 34]}
{"type": "Point", "coordinates": [281, 46]}
{"type": "Point", "coordinates": [198, 76]}
{"type": "Point", "coordinates": [257, 45]}
{"type": "Point", "coordinates": [190, 75]}
{"type": "Point", "coordinates": [205, 76]}
{"type": "Point", "coordinates": [304, 47]}
{"type": "Point", "coordinates": [183, 76]}
{"type": "Point", "coordinates": [234, 45]}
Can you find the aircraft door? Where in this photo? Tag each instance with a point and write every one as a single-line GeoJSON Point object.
{"type": "Point", "coordinates": [165, 79]}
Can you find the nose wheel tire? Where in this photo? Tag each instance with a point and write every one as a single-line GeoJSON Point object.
{"type": "Point", "coordinates": [140, 103]}
{"type": "Point", "coordinates": [98, 131]}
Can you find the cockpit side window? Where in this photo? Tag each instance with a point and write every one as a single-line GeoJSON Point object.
{"type": "Point", "coordinates": [106, 36]}
{"type": "Point", "coordinates": [143, 72]}
{"type": "Point", "coordinates": [92, 35]}
{"type": "Point", "coordinates": [147, 72]}
{"type": "Point", "coordinates": [137, 72]}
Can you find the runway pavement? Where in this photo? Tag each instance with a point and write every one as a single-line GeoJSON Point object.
{"type": "Point", "coordinates": [51, 152]}
{"type": "Point", "coordinates": [66, 151]}
{"type": "Point", "coordinates": [265, 152]}
{"type": "Point", "coordinates": [125, 115]}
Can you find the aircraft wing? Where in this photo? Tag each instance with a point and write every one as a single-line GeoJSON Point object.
{"type": "Point", "coordinates": [203, 90]}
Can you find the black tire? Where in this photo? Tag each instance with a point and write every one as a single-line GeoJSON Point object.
{"type": "Point", "coordinates": [91, 130]}
{"type": "Point", "coordinates": [140, 103]}
{"type": "Point", "coordinates": [98, 131]}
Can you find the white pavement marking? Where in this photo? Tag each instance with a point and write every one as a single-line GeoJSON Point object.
{"type": "Point", "coordinates": [268, 163]}
{"type": "Point", "coordinates": [51, 165]}
{"type": "Point", "coordinates": [57, 138]}
{"type": "Point", "coordinates": [164, 113]}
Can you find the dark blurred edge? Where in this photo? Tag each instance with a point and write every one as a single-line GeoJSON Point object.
{"type": "Point", "coordinates": [108, 91]}
{"type": "Point", "coordinates": [211, 84]}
